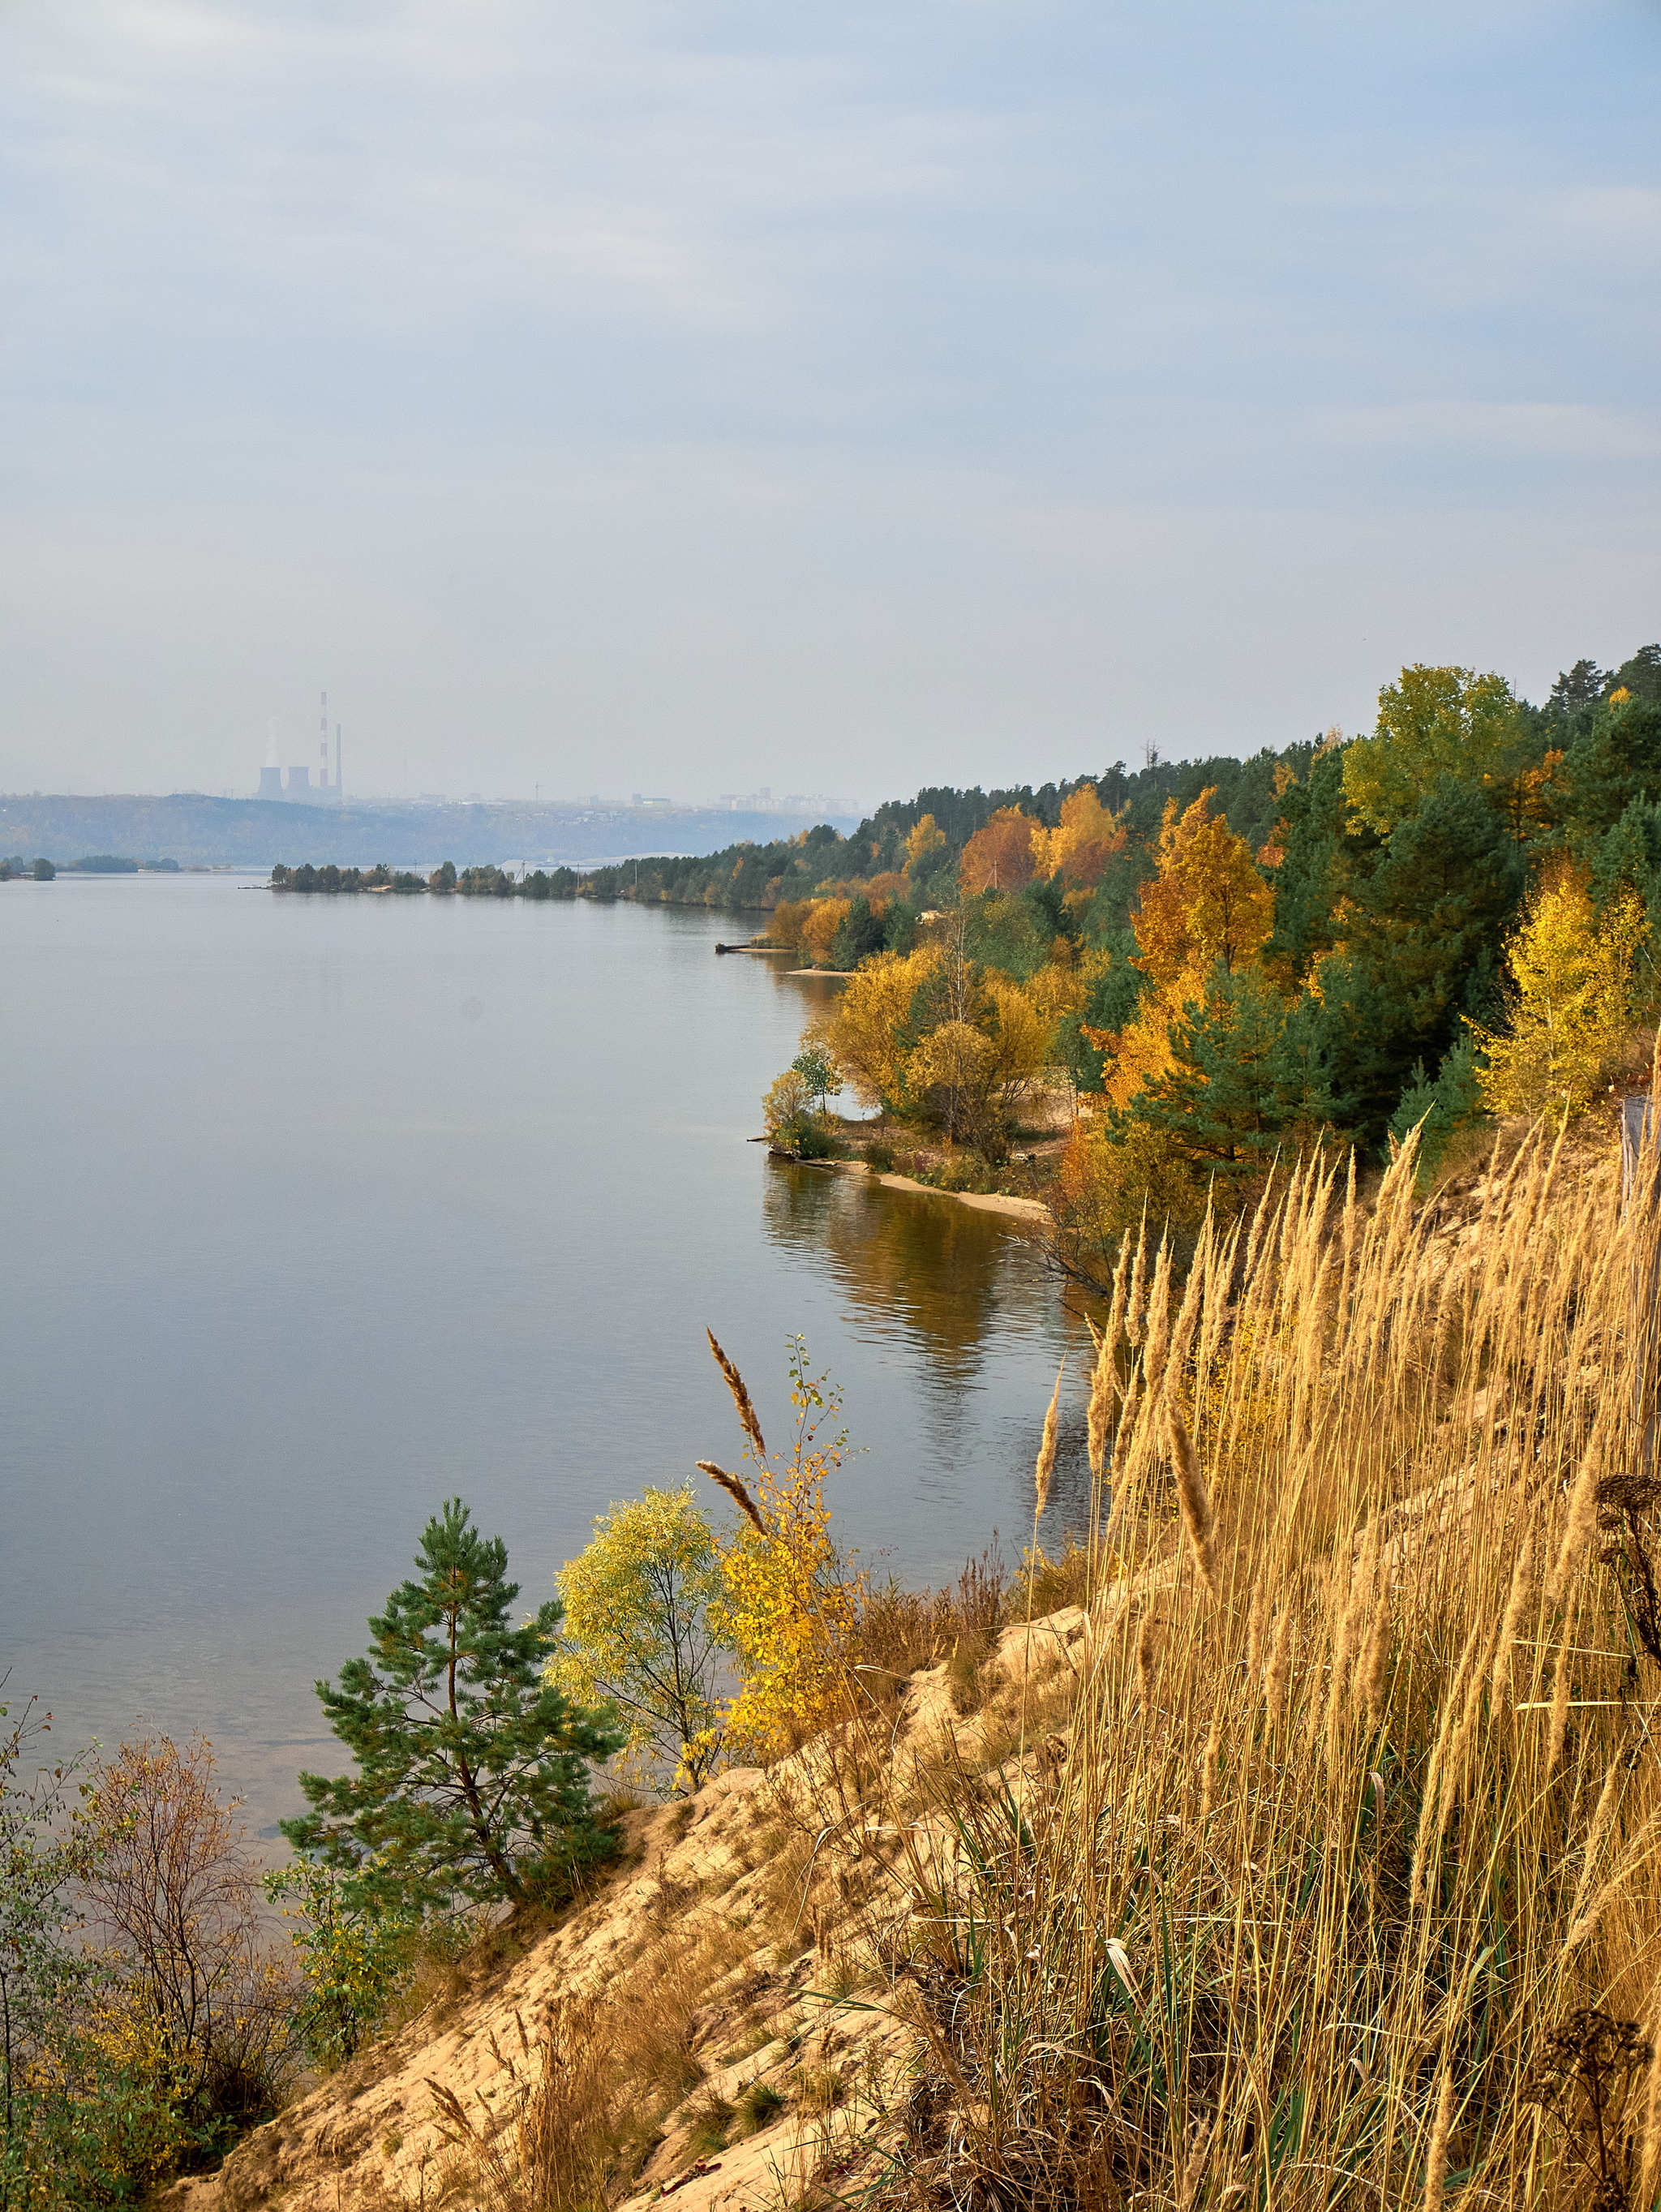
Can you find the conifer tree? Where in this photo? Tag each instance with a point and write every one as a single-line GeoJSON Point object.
{"type": "Point", "coordinates": [1315, 843]}
{"type": "Point", "coordinates": [1217, 1100]}
{"type": "Point", "coordinates": [472, 1769]}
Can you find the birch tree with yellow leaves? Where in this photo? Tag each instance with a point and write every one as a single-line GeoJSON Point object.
{"type": "Point", "coordinates": [1570, 990]}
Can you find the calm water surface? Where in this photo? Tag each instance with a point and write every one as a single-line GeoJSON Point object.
{"type": "Point", "coordinates": [316, 1211]}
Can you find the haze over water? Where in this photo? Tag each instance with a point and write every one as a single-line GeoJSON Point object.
{"type": "Point", "coordinates": [316, 1211]}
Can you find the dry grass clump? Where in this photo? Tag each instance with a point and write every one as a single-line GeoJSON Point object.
{"type": "Point", "coordinates": [652, 2009]}
{"type": "Point", "coordinates": [1357, 1824]}
{"type": "Point", "coordinates": [543, 2138]}
{"type": "Point", "coordinates": [1046, 1583]}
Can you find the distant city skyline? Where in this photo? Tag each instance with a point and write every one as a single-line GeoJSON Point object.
{"type": "Point", "coordinates": [682, 399]}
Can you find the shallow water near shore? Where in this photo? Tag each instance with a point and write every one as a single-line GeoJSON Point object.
{"type": "Point", "coordinates": [316, 1211]}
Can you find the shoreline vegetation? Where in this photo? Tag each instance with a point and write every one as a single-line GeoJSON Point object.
{"type": "Point", "coordinates": [1297, 1817]}
{"type": "Point", "coordinates": [1217, 964]}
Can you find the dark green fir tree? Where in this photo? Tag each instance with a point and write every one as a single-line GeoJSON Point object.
{"type": "Point", "coordinates": [472, 1776]}
{"type": "Point", "coordinates": [1217, 1101]}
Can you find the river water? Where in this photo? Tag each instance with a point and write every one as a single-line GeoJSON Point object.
{"type": "Point", "coordinates": [316, 1211]}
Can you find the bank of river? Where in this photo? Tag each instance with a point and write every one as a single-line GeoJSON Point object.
{"type": "Point", "coordinates": [1032, 1210]}
{"type": "Point", "coordinates": [321, 1210]}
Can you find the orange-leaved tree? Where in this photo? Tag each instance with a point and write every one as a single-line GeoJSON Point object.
{"type": "Point", "coordinates": [824, 918]}
{"type": "Point", "coordinates": [1207, 907]}
{"type": "Point", "coordinates": [788, 1603]}
{"type": "Point", "coordinates": [999, 857]}
{"type": "Point", "coordinates": [1207, 904]}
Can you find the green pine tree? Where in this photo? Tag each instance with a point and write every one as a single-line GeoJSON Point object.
{"type": "Point", "coordinates": [1319, 845]}
{"type": "Point", "coordinates": [1438, 1109]}
{"type": "Point", "coordinates": [1423, 948]}
{"type": "Point", "coordinates": [472, 1770]}
{"type": "Point", "coordinates": [1217, 1102]}
{"type": "Point", "coordinates": [1615, 757]}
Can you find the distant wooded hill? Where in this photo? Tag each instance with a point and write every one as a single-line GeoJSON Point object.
{"type": "Point", "coordinates": [251, 833]}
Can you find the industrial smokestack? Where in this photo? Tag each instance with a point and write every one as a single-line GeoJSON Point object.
{"type": "Point", "coordinates": [339, 788]}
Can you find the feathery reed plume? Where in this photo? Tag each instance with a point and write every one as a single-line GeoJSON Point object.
{"type": "Point", "coordinates": [1436, 2162]}
{"type": "Point", "coordinates": [735, 1490]}
{"type": "Point", "coordinates": [1558, 1722]}
{"type": "Point", "coordinates": [1280, 1669]}
{"type": "Point", "coordinates": [1182, 1334]}
{"type": "Point", "coordinates": [1254, 1613]}
{"type": "Point", "coordinates": [1454, 1768]}
{"type": "Point", "coordinates": [1341, 1607]}
{"type": "Point", "coordinates": [1209, 1765]}
{"type": "Point", "coordinates": [1432, 1818]}
{"type": "Point", "coordinates": [1046, 1452]}
{"type": "Point", "coordinates": [1374, 1672]}
{"type": "Point", "coordinates": [1578, 1527]}
{"type": "Point", "coordinates": [1133, 1311]}
{"type": "Point", "coordinates": [1159, 1317]}
{"type": "Point", "coordinates": [1194, 2172]}
{"type": "Point", "coordinates": [1147, 1645]}
{"type": "Point", "coordinates": [741, 1398]}
{"type": "Point", "coordinates": [1522, 1585]}
{"type": "Point", "coordinates": [1104, 1376]}
{"type": "Point", "coordinates": [1580, 1923]}
{"type": "Point", "coordinates": [1195, 1499]}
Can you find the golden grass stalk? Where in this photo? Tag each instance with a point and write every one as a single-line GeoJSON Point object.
{"type": "Point", "coordinates": [1373, 1675]}
{"type": "Point", "coordinates": [1501, 1686]}
{"type": "Point", "coordinates": [1557, 1726]}
{"type": "Point", "coordinates": [1045, 1468]}
{"type": "Point", "coordinates": [1104, 1374]}
{"type": "Point", "coordinates": [1198, 1520]}
{"type": "Point", "coordinates": [1133, 1317]}
{"type": "Point", "coordinates": [1436, 2158]}
{"type": "Point", "coordinates": [1579, 1526]}
{"type": "Point", "coordinates": [1279, 1676]}
{"type": "Point", "coordinates": [735, 1490]}
{"type": "Point", "coordinates": [741, 1396]}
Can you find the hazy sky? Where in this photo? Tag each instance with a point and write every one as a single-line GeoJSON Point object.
{"type": "Point", "coordinates": [687, 397]}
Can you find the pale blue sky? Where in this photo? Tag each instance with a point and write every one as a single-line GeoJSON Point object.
{"type": "Point", "coordinates": [685, 397]}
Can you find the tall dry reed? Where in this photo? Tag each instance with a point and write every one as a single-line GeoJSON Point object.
{"type": "Point", "coordinates": [1360, 1803]}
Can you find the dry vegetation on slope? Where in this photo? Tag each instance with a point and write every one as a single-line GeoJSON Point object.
{"type": "Point", "coordinates": [1311, 1859]}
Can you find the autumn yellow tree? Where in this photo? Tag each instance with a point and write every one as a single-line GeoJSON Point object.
{"type": "Point", "coordinates": [926, 841]}
{"type": "Point", "coordinates": [1571, 978]}
{"type": "Point", "coordinates": [974, 1068]}
{"type": "Point", "coordinates": [787, 1603]}
{"type": "Point", "coordinates": [868, 1032]}
{"type": "Point", "coordinates": [1206, 904]}
{"type": "Point", "coordinates": [999, 857]}
{"type": "Point", "coordinates": [1088, 835]}
{"type": "Point", "coordinates": [824, 918]}
{"type": "Point", "coordinates": [1207, 907]}
{"type": "Point", "coordinates": [789, 923]}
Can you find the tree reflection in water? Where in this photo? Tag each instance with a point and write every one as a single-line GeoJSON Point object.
{"type": "Point", "coordinates": [960, 1290]}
